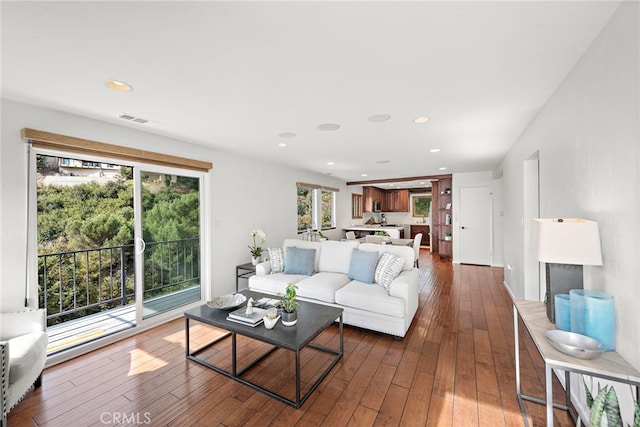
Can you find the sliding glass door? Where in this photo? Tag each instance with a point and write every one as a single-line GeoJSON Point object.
{"type": "Point", "coordinates": [168, 242]}
{"type": "Point", "coordinates": [116, 244]}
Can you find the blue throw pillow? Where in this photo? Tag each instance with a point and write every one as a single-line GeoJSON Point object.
{"type": "Point", "coordinates": [299, 261]}
{"type": "Point", "coordinates": [363, 266]}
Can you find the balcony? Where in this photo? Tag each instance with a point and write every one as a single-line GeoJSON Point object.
{"type": "Point", "coordinates": [91, 293]}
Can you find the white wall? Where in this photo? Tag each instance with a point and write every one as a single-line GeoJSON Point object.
{"type": "Point", "coordinates": [588, 136]}
{"type": "Point", "coordinates": [245, 193]}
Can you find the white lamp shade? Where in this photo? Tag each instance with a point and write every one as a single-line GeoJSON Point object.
{"type": "Point", "coordinates": [567, 241]}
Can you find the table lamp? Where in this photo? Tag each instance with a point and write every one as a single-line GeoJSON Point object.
{"type": "Point", "coordinates": [565, 245]}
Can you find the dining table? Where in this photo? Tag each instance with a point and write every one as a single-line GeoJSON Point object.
{"type": "Point", "coordinates": [396, 242]}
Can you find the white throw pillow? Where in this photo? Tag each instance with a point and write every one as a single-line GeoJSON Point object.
{"type": "Point", "coordinates": [276, 256]}
{"type": "Point", "coordinates": [388, 268]}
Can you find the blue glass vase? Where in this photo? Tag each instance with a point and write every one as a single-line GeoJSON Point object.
{"type": "Point", "coordinates": [600, 318]}
{"type": "Point", "coordinates": [593, 314]}
{"type": "Point", "coordinates": [576, 302]}
{"type": "Point", "coordinates": [562, 311]}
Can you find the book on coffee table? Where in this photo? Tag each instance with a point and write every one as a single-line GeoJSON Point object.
{"type": "Point", "coordinates": [240, 315]}
{"type": "Point", "coordinates": [242, 322]}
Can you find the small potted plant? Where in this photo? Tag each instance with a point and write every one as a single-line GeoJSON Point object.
{"type": "Point", "coordinates": [289, 305]}
{"type": "Point", "coordinates": [447, 235]}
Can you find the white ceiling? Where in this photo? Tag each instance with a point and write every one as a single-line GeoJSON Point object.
{"type": "Point", "coordinates": [234, 75]}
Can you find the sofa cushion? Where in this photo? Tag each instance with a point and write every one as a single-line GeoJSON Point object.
{"type": "Point", "coordinates": [25, 353]}
{"type": "Point", "coordinates": [388, 268]}
{"type": "Point", "coordinates": [335, 256]}
{"type": "Point", "coordinates": [273, 283]}
{"type": "Point", "coordinates": [370, 298]}
{"type": "Point", "coordinates": [363, 266]}
{"type": "Point", "coordinates": [322, 286]}
{"type": "Point", "coordinates": [276, 258]}
{"type": "Point", "coordinates": [299, 261]}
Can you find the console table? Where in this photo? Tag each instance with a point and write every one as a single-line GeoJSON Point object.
{"type": "Point", "coordinates": [610, 365]}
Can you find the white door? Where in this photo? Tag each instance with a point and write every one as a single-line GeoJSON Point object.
{"type": "Point", "coordinates": [474, 226]}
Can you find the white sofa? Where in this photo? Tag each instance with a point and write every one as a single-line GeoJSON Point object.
{"type": "Point", "coordinates": [365, 305]}
{"type": "Point", "coordinates": [23, 354]}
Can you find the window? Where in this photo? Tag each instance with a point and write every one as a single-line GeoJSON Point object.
{"type": "Point", "coordinates": [305, 208]}
{"type": "Point", "coordinates": [356, 205]}
{"type": "Point", "coordinates": [421, 205]}
{"type": "Point", "coordinates": [316, 207]}
{"type": "Point", "coordinates": [328, 206]}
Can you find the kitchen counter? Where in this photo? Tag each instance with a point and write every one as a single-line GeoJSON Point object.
{"type": "Point", "coordinates": [394, 230]}
{"type": "Point", "coordinates": [374, 227]}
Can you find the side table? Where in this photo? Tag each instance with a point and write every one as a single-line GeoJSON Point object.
{"type": "Point", "coordinates": [610, 365]}
{"type": "Point", "coordinates": [244, 271]}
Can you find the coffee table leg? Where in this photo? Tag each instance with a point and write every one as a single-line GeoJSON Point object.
{"type": "Point", "coordinates": [186, 328]}
{"type": "Point", "coordinates": [341, 337]}
{"type": "Point", "coordinates": [233, 355]}
{"type": "Point", "coordinates": [297, 379]}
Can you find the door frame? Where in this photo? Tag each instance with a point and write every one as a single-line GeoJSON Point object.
{"type": "Point", "coordinates": [534, 280]}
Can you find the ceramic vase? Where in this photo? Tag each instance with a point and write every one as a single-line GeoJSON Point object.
{"type": "Point", "coordinates": [289, 319]}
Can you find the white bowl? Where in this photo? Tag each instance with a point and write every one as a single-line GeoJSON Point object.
{"type": "Point", "coordinates": [227, 301]}
{"type": "Point", "coordinates": [576, 345]}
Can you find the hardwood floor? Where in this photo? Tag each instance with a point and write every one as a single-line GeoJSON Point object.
{"type": "Point", "coordinates": [455, 367]}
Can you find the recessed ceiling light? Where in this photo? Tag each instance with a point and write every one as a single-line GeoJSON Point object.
{"type": "Point", "coordinates": [443, 169]}
{"type": "Point", "coordinates": [382, 162]}
{"type": "Point", "coordinates": [364, 174]}
{"type": "Point", "coordinates": [377, 118]}
{"type": "Point", "coordinates": [329, 126]}
{"type": "Point", "coordinates": [331, 163]}
{"type": "Point", "coordinates": [420, 120]}
{"type": "Point", "coordinates": [281, 144]}
{"type": "Point", "coordinates": [287, 135]}
{"type": "Point", "coordinates": [434, 150]}
{"type": "Point", "coordinates": [118, 85]}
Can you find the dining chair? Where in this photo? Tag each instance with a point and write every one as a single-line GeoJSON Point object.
{"type": "Point", "coordinates": [372, 238]}
{"type": "Point", "coordinates": [416, 247]}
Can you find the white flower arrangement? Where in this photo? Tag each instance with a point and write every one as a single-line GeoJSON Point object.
{"type": "Point", "coordinates": [256, 249]}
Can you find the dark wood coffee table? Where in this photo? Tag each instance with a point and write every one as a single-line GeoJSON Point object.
{"type": "Point", "coordinates": [312, 320]}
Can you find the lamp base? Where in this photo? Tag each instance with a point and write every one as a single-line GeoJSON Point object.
{"type": "Point", "coordinates": [561, 278]}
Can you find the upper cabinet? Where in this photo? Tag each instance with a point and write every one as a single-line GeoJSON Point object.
{"type": "Point", "coordinates": [397, 201]}
{"type": "Point", "coordinates": [385, 200]}
{"type": "Point", "coordinates": [374, 199]}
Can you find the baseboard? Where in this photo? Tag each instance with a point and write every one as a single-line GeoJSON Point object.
{"type": "Point", "coordinates": [506, 286]}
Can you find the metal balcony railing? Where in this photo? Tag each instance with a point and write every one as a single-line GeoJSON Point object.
{"type": "Point", "coordinates": [74, 284]}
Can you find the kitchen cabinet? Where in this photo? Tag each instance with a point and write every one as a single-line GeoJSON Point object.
{"type": "Point", "coordinates": [389, 200]}
{"type": "Point", "coordinates": [371, 195]}
{"type": "Point", "coordinates": [396, 201]}
{"type": "Point", "coordinates": [424, 229]}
